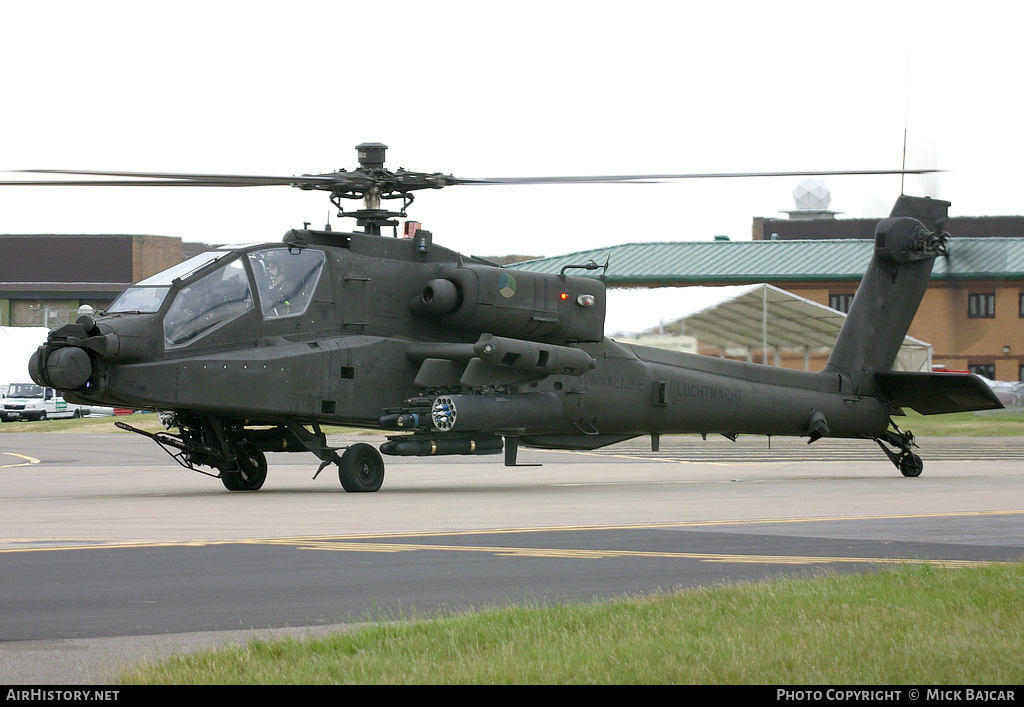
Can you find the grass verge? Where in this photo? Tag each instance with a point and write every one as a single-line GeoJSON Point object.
{"type": "Point", "coordinates": [962, 424]}
{"type": "Point", "coordinates": [149, 422]}
{"type": "Point", "coordinates": [1002, 423]}
{"type": "Point", "coordinates": [919, 625]}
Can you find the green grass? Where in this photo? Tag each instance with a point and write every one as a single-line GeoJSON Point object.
{"type": "Point", "coordinates": [1002, 423]}
{"type": "Point", "coordinates": [920, 625]}
{"type": "Point", "coordinates": [150, 422]}
{"type": "Point", "coordinates": [961, 424]}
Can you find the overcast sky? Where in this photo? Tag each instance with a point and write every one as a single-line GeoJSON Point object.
{"type": "Point", "coordinates": [506, 89]}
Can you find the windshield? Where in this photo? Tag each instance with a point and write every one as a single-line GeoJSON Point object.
{"type": "Point", "coordinates": [139, 299]}
{"type": "Point", "coordinates": [207, 303]}
{"type": "Point", "coordinates": [147, 295]}
{"type": "Point", "coordinates": [25, 390]}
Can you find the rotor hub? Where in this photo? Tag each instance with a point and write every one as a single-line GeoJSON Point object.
{"type": "Point", "coordinates": [371, 155]}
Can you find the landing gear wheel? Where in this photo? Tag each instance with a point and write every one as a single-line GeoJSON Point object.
{"type": "Point", "coordinates": [910, 464]}
{"type": "Point", "coordinates": [251, 472]}
{"type": "Point", "coordinates": [361, 469]}
{"type": "Point", "coordinates": [902, 458]}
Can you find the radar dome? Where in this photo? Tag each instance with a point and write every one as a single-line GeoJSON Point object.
{"type": "Point", "coordinates": [812, 195]}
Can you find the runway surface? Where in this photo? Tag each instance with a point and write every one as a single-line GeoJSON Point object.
{"type": "Point", "coordinates": [111, 553]}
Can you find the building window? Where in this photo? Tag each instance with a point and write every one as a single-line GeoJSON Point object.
{"type": "Point", "coordinates": [1021, 308]}
{"type": "Point", "coordinates": [986, 370]}
{"type": "Point", "coordinates": [843, 302]}
{"type": "Point", "coordinates": [981, 305]}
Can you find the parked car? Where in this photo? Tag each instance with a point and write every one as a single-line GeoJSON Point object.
{"type": "Point", "coordinates": [28, 401]}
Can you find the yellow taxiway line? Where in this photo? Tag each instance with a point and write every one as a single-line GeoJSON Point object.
{"type": "Point", "coordinates": [389, 542]}
{"type": "Point", "coordinates": [27, 461]}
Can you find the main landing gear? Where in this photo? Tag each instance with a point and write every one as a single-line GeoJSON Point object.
{"type": "Point", "coordinates": [361, 468]}
{"type": "Point", "coordinates": [905, 460]}
{"type": "Point", "coordinates": [250, 468]}
{"type": "Point", "coordinates": [237, 452]}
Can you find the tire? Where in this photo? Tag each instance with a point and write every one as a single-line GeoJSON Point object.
{"type": "Point", "coordinates": [910, 464]}
{"type": "Point", "coordinates": [361, 469]}
{"type": "Point", "coordinates": [252, 469]}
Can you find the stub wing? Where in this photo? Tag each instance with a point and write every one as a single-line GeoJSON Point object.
{"type": "Point", "coordinates": [936, 393]}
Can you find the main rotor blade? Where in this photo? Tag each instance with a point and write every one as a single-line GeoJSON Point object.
{"type": "Point", "coordinates": [166, 179]}
{"type": "Point", "coordinates": [123, 183]}
{"type": "Point", "coordinates": [408, 180]}
{"type": "Point", "coordinates": [666, 177]}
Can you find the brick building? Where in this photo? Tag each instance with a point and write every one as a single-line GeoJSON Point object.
{"type": "Point", "coordinates": [44, 279]}
{"type": "Point", "coordinates": [972, 314]}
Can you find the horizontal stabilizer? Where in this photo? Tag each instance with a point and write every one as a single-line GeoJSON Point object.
{"type": "Point", "coordinates": [936, 393]}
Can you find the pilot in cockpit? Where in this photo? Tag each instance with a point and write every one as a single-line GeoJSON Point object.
{"type": "Point", "coordinates": [278, 300]}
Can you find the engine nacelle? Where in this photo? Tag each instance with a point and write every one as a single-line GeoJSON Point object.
{"type": "Point", "coordinates": [515, 303]}
{"type": "Point", "coordinates": [439, 296]}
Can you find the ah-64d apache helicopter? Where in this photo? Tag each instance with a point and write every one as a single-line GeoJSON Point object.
{"type": "Point", "coordinates": [249, 350]}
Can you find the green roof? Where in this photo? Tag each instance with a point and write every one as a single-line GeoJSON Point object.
{"type": "Point", "coordinates": [742, 262]}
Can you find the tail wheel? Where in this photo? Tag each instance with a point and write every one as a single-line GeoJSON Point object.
{"type": "Point", "coordinates": [251, 471]}
{"type": "Point", "coordinates": [361, 469]}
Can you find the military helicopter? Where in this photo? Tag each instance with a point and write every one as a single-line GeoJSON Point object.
{"type": "Point", "coordinates": [246, 350]}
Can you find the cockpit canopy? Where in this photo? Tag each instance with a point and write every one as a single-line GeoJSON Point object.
{"type": "Point", "coordinates": [146, 296]}
{"type": "Point", "coordinates": [283, 280]}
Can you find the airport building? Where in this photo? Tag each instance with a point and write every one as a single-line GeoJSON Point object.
{"type": "Point", "coordinates": [972, 315]}
{"type": "Point", "coordinates": [44, 279]}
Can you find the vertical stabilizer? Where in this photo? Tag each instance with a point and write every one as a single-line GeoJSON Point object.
{"type": "Point", "coordinates": [886, 300]}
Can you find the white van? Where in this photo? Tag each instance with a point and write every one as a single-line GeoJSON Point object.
{"type": "Point", "coordinates": [28, 401]}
